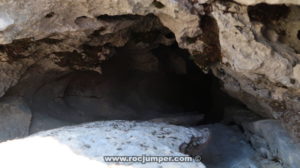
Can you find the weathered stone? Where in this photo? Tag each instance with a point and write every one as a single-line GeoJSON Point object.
{"type": "Point", "coordinates": [227, 147]}
{"type": "Point", "coordinates": [273, 142]}
{"type": "Point", "coordinates": [15, 119]}
{"type": "Point", "coordinates": [47, 16]}
{"type": "Point", "coordinates": [259, 72]}
{"type": "Point", "coordinates": [86, 145]}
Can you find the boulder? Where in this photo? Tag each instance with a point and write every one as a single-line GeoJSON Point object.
{"type": "Point", "coordinates": [86, 145]}
{"type": "Point", "coordinates": [273, 142]}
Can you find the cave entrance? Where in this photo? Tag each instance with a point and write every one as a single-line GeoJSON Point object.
{"type": "Point", "coordinates": [137, 73]}
{"type": "Point", "coordinates": [137, 83]}
{"type": "Point", "coordinates": [159, 84]}
{"type": "Point", "coordinates": [131, 74]}
{"type": "Point", "coordinates": [162, 82]}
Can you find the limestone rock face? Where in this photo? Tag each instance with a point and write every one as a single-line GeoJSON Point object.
{"type": "Point", "coordinates": [87, 144]}
{"type": "Point", "coordinates": [258, 67]}
{"type": "Point", "coordinates": [41, 19]}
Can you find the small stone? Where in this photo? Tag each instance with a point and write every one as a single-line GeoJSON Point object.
{"type": "Point", "coordinates": [272, 35]}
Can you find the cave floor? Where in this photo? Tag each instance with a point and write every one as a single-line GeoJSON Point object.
{"type": "Point", "coordinates": [227, 147]}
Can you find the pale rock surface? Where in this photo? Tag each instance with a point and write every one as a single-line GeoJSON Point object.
{"type": "Point", "coordinates": [244, 53]}
{"type": "Point", "coordinates": [51, 16]}
{"type": "Point", "coordinates": [85, 145]}
{"type": "Point", "coordinates": [261, 73]}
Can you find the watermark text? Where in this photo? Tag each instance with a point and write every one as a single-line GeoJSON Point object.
{"type": "Point", "coordinates": [150, 159]}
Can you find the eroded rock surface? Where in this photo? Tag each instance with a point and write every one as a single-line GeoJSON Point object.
{"type": "Point", "coordinates": [277, 145]}
{"type": "Point", "coordinates": [56, 17]}
{"type": "Point", "coordinates": [273, 145]}
{"type": "Point", "coordinates": [258, 68]}
{"type": "Point", "coordinates": [86, 145]}
{"type": "Point", "coordinates": [227, 147]}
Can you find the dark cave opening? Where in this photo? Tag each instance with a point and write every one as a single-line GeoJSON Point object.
{"type": "Point", "coordinates": [137, 75]}
{"type": "Point", "coordinates": [137, 83]}
{"type": "Point", "coordinates": [261, 12]}
{"type": "Point", "coordinates": [165, 81]}
{"type": "Point", "coordinates": [148, 78]}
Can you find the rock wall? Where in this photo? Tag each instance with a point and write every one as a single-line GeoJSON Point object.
{"type": "Point", "coordinates": [256, 55]}
{"type": "Point", "coordinates": [260, 59]}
